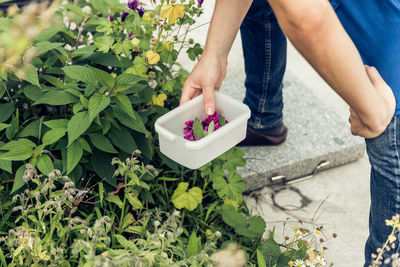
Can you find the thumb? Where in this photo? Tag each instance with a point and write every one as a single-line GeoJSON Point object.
{"type": "Point", "coordinates": [209, 102]}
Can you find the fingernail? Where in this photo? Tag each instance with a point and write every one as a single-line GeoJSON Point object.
{"type": "Point", "coordinates": [209, 111]}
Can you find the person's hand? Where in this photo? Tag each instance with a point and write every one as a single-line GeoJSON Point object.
{"type": "Point", "coordinates": [357, 126]}
{"type": "Point", "coordinates": [206, 77]}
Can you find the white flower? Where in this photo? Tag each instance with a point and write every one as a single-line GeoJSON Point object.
{"type": "Point", "coordinates": [320, 261]}
{"type": "Point", "coordinates": [299, 263]}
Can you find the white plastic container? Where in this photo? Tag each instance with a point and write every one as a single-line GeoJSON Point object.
{"type": "Point", "coordinates": [194, 154]}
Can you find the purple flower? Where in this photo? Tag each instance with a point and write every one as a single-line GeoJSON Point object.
{"type": "Point", "coordinates": [140, 10]}
{"type": "Point", "coordinates": [123, 16]}
{"type": "Point", "coordinates": [133, 4]}
{"type": "Point", "coordinates": [111, 18]}
{"type": "Point", "coordinates": [200, 2]}
{"type": "Point", "coordinates": [188, 130]}
{"type": "Point", "coordinates": [130, 34]}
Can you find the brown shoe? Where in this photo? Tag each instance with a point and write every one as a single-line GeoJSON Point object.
{"type": "Point", "coordinates": [271, 137]}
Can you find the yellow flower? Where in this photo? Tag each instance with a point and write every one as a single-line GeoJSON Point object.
{"type": "Point", "coordinates": [152, 57]}
{"type": "Point", "coordinates": [168, 46]}
{"type": "Point", "coordinates": [232, 203]}
{"type": "Point", "coordinates": [291, 263]}
{"type": "Point", "coordinates": [172, 12]}
{"type": "Point", "coordinates": [159, 99]}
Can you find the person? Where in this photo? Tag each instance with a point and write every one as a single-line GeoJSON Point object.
{"type": "Point", "coordinates": [315, 30]}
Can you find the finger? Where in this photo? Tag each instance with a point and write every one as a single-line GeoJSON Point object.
{"type": "Point", "coordinates": [188, 92]}
{"type": "Point", "coordinates": [209, 102]}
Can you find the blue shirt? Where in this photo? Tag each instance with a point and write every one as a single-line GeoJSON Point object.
{"type": "Point", "coordinates": [374, 27]}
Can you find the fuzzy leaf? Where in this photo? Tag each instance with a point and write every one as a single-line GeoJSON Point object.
{"type": "Point", "coordinates": [211, 127]}
{"type": "Point", "coordinates": [126, 81]}
{"type": "Point", "coordinates": [103, 77]}
{"type": "Point", "coordinates": [125, 104]}
{"type": "Point", "coordinates": [80, 73]}
{"type": "Point", "coordinates": [194, 245]}
{"type": "Point", "coordinates": [45, 164]}
{"type": "Point", "coordinates": [184, 198]}
{"type": "Point", "coordinates": [135, 124]}
{"type": "Point", "coordinates": [123, 140]}
{"type": "Point", "coordinates": [198, 130]}
{"type": "Point", "coordinates": [18, 178]}
{"type": "Point", "coordinates": [101, 164]}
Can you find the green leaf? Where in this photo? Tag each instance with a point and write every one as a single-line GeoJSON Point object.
{"type": "Point", "coordinates": [31, 129]}
{"type": "Point", "coordinates": [4, 126]}
{"type": "Point", "coordinates": [33, 92]}
{"type": "Point", "coordinates": [6, 165]}
{"type": "Point", "coordinates": [53, 136]}
{"type": "Point", "coordinates": [97, 103]}
{"type": "Point", "coordinates": [126, 81]}
{"type": "Point", "coordinates": [74, 155]}
{"type": "Point", "coordinates": [270, 250]}
{"type": "Point", "coordinates": [56, 98]}
{"type": "Point", "coordinates": [211, 127]}
{"type": "Point", "coordinates": [134, 201]}
{"type": "Point", "coordinates": [104, 43]}
{"type": "Point", "coordinates": [84, 144]}
{"type": "Point", "coordinates": [125, 104]}
{"type": "Point", "coordinates": [57, 124]}
{"type": "Point", "coordinates": [6, 110]}
{"type": "Point", "coordinates": [257, 225]}
{"type": "Point", "coordinates": [78, 124]}
{"type": "Point", "coordinates": [80, 73]}
{"type": "Point", "coordinates": [260, 259]}
{"type": "Point", "coordinates": [184, 198]}
{"type": "Point", "coordinates": [115, 199]}
{"type": "Point", "coordinates": [45, 46]}
{"type": "Point", "coordinates": [135, 124]}
{"type": "Point", "coordinates": [143, 144]}
{"type": "Point", "coordinates": [18, 143]}
{"type": "Point", "coordinates": [125, 243]}
{"type": "Point", "coordinates": [198, 130]}
{"type": "Point", "coordinates": [232, 217]}
{"type": "Point", "coordinates": [19, 178]}
{"type": "Point", "coordinates": [230, 187]}
{"type": "Point", "coordinates": [194, 245]}
{"type": "Point", "coordinates": [101, 164]}
{"type": "Point", "coordinates": [103, 77]}
{"type": "Point", "coordinates": [18, 154]}
{"type": "Point", "coordinates": [102, 143]}
{"type": "Point", "coordinates": [221, 119]}
{"type": "Point", "coordinates": [13, 129]}
{"type": "Point", "coordinates": [53, 80]}
{"type": "Point", "coordinates": [45, 164]}
{"type": "Point", "coordinates": [123, 140]}
{"type": "Point", "coordinates": [84, 51]}
{"type": "Point", "coordinates": [30, 75]}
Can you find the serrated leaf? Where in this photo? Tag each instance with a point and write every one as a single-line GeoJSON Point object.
{"type": "Point", "coordinates": [45, 164]}
{"type": "Point", "coordinates": [80, 73]}
{"type": "Point", "coordinates": [101, 142]}
{"type": "Point", "coordinates": [18, 143]}
{"type": "Point", "coordinates": [97, 103]}
{"type": "Point", "coordinates": [135, 124]}
{"type": "Point", "coordinates": [103, 77]}
{"type": "Point", "coordinates": [230, 187]}
{"type": "Point", "coordinates": [56, 98]}
{"type": "Point", "coordinates": [74, 155]}
{"type": "Point", "coordinates": [115, 199]}
{"type": "Point", "coordinates": [198, 130]}
{"type": "Point", "coordinates": [126, 81]}
{"type": "Point", "coordinates": [123, 140]}
{"type": "Point", "coordinates": [257, 225]}
{"type": "Point", "coordinates": [57, 124]}
{"type": "Point", "coordinates": [184, 198]}
{"type": "Point", "coordinates": [172, 12]}
{"type": "Point", "coordinates": [53, 136]}
{"type": "Point", "coordinates": [125, 243]}
{"type": "Point", "coordinates": [18, 154]}
{"type": "Point", "coordinates": [104, 43]}
{"type": "Point", "coordinates": [125, 104]}
{"type": "Point", "coordinates": [134, 201]}
{"type": "Point", "coordinates": [78, 124]}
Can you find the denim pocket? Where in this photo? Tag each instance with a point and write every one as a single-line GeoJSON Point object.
{"type": "Point", "coordinates": [335, 3]}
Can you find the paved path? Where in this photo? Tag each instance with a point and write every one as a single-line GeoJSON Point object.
{"type": "Point", "coordinates": [340, 196]}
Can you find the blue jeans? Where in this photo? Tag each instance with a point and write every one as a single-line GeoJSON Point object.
{"type": "Point", "coordinates": [264, 49]}
{"type": "Point", "coordinates": [384, 156]}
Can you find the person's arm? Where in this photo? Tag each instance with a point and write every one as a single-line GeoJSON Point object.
{"type": "Point", "coordinates": [314, 29]}
{"type": "Point", "coordinates": [210, 71]}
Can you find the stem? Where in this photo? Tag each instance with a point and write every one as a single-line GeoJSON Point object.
{"type": "Point", "coordinates": [123, 208]}
{"type": "Point", "coordinates": [375, 263]}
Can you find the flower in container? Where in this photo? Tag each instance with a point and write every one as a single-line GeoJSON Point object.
{"type": "Point", "coordinates": [195, 129]}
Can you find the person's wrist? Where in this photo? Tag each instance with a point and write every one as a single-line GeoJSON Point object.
{"type": "Point", "coordinates": [214, 54]}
